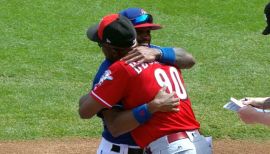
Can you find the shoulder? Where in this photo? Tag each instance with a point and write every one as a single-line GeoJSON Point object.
{"type": "Point", "coordinates": [154, 46]}
{"type": "Point", "coordinates": [118, 66]}
{"type": "Point", "coordinates": [162, 48]}
{"type": "Point", "coordinates": [121, 67]}
{"type": "Point", "coordinates": [157, 46]}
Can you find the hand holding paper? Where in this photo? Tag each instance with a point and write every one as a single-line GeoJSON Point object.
{"type": "Point", "coordinates": [235, 105]}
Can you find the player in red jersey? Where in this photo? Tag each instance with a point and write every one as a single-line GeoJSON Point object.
{"type": "Point", "coordinates": [174, 132]}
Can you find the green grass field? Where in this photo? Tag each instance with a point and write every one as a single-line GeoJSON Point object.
{"type": "Point", "coordinates": [47, 63]}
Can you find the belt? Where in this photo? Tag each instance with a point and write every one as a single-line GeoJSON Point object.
{"type": "Point", "coordinates": [116, 148]}
{"type": "Point", "coordinates": [176, 136]}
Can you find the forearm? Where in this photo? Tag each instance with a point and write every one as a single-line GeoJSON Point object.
{"type": "Point", "coordinates": [177, 56]}
{"type": "Point", "coordinates": [121, 122]}
{"type": "Point", "coordinates": [82, 100]}
{"type": "Point", "coordinates": [264, 118]}
{"type": "Point", "coordinates": [117, 120]}
{"type": "Point", "coordinates": [183, 59]}
{"type": "Point", "coordinates": [88, 107]}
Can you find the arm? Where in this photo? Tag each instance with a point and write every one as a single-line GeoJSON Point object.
{"type": "Point", "coordinates": [88, 107]}
{"type": "Point", "coordinates": [249, 115]}
{"type": "Point", "coordinates": [258, 102]}
{"type": "Point", "coordinates": [172, 56]}
{"type": "Point", "coordinates": [116, 121]}
{"type": "Point", "coordinates": [264, 118]}
{"type": "Point", "coordinates": [183, 59]}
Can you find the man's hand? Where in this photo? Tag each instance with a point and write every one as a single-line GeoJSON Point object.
{"type": "Point", "coordinates": [257, 102]}
{"type": "Point", "coordinates": [164, 102]}
{"type": "Point", "coordinates": [141, 54]}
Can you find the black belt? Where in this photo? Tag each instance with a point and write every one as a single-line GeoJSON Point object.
{"type": "Point", "coordinates": [116, 148]}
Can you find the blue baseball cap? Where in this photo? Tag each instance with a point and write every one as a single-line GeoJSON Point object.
{"type": "Point", "coordinates": [140, 18]}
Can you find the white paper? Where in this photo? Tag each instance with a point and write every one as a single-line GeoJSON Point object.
{"type": "Point", "coordinates": [233, 105]}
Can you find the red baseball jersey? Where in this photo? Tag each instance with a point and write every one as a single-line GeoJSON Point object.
{"type": "Point", "coordinates": [135, 86]}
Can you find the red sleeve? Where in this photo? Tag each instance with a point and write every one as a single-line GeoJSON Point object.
{"type": "Point", "coordinates": [111, 88]}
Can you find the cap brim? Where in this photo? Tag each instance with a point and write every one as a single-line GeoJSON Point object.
{"type": "Point", "coordinates": [149, 25]}
{"type": "Point", "coordinates": [92, 33]}
{"type": "Point", "coordinates": [266, 31]}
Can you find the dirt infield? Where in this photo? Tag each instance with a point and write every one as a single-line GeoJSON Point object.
{"type": "Point", "coordinates": [89, 146]}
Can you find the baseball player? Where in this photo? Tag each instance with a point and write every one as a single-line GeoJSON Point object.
{"type": "Point", "coordinates": [172, 132]}
{"type": "Point", "coordinates": [143, 22]}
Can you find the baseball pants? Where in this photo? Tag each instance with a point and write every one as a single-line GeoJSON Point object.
{"type": "Point", "coordinates": [187, 142]}
{"type": "Point", "coordinates": [107, 147]}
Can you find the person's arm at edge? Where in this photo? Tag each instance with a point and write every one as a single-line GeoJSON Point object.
{"type": "Point", "coordinates": [258, 102]}
{"type": "Point", "coordinates": [264, 118]}
{"type": "Point", "coordinates": [250, 115]}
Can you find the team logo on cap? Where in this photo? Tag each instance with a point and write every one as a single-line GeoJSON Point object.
{"type": "Point", "coordinates": [108, 41]}
{"type": "Point", "coordinates": [134, 42]}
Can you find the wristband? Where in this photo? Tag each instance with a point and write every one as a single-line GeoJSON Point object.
{"type": "Point", "coordinates": [161, 53]}
{"type": "Point", "coordinates": [141, 113]}
{"type": "Point", "coordinates": [168, 55]}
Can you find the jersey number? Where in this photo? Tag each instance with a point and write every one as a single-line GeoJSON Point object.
{"type": "Point", "coordinates": [163, 79]}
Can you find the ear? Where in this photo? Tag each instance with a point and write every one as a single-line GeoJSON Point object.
{"type": "Point", "coordinates": [110, 53]}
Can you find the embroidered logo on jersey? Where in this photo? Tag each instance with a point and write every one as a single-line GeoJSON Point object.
{"type": "Point", "coordinates": [143, 12]}
{"type": "Point", "coordinates": [106, 76]}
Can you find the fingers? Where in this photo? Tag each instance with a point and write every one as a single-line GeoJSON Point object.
{"type": "Point", "coordinates": [176, 99]}
{"type": "Point", "coordinates": [163, 88]}
{"type": "Point", "coordinates": [246, 101]}
{"type": "Point", "coordinates": [173, 96]}
{"type": "Point", "coordinates": [176, 104]}
{"type": "Point", "coordinates": [132, 53]}
{"type": "Point", "coordinates": [163, 92]}
{"type": "Point", "coordinates": [243, 99]}
{"type": "Point", "coordinates": [139, 62]}
{"type": "Point", "coordinates": [173, 106]}
{"type": "Point", "coordinates": [175, 109]}
{"type": "Point", "coordinates": [136, 59]}
{"type": "Point", "coordinates": [172, 109]}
